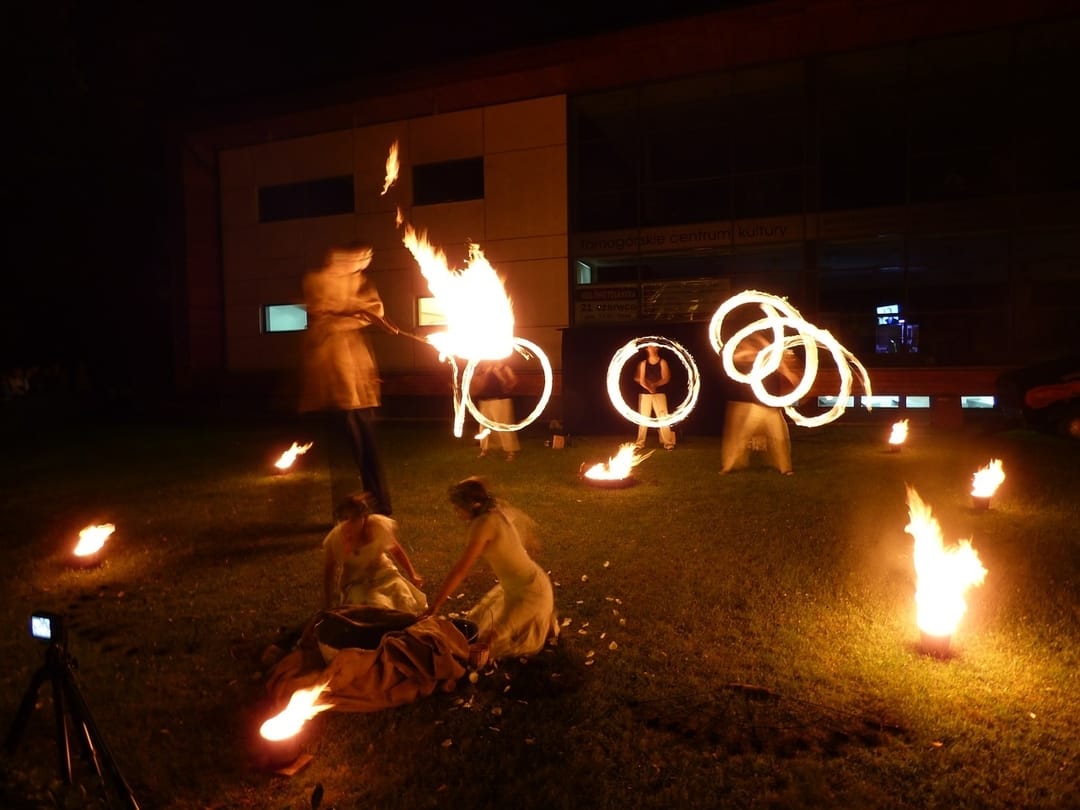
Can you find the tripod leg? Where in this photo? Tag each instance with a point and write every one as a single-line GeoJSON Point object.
{"type": "Point", "coordinates": [94, 743]}
{"type": "Point", "coordinates": [63, 739]}
{"type": "Point", "coordinates": [26, 706]}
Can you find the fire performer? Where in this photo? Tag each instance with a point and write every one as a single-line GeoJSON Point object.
{"type": "Point", "coordinates": [517, 616]}
{"type": "Point", "coordinates": [492, 383]}
{"type": "Point", "coordinates": [340, 373]}
{"type": "Point", "coordinates": [653, 373]}
{"type": "Point", "coordinates": [360, 555]}
{"type": "Point", "coordinates": [748, 424]}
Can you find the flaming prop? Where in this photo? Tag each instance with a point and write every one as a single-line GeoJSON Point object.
{"type": "Point", "coordinates": [986, 481]}
{"type": "Point", "coordinates": [618, 362]}
{"type": "Point", "coordinates": [480, 324]}
{"type": "Point", "coordinates": [943, 575]}
{"type": "Point", "coordinates": [899, 434]}
{"type": "Point", "coordinates": [91, 540]}
{"type": "Point", "coordinates": [779, 315]}
{"type": "Point", "coordinates": [289, 456]}
{"type": "Point", "coordinates": [619, 466]}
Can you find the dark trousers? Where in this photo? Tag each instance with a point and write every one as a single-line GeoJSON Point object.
{"type": "Point", "coordinates": [360, 424]}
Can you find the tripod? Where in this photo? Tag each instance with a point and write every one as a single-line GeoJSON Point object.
{"type": "Point", "coordinates": [70, 706]}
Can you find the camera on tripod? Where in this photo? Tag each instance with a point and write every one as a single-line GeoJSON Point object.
{"type": "Point", "coordinates": [49, 627]}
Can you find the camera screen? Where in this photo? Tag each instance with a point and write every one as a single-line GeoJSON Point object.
{"type": "Point", "coordinates": [41, 627]}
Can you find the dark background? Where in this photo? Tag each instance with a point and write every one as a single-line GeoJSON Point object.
{"type": "Point", "coordinates": [99, 93]}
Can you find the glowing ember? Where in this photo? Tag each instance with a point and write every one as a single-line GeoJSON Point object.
{"type": "Point", "coordinates": [302, 707]}
{"type": "Point", "coordinates": [618, 362]}
{"type": "Point", "coordinates": [92, 538]}
{"type": "Point", "coordinates": [899, 432]}
{"type": "Point", "coordinates": [986, 481]}
{"type": "Point", "coordinates": [943, 575]}
{"type": "Point", "coordinates": [289, 456]}
{"type": "Point", "coordinates": [779, 315]}
{"type": "Point", "coordinates": [619, 465]}
{"type": "Point", "coordinates": [392, 168]}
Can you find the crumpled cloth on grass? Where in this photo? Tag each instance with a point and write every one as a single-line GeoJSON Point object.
{"type": "Point", "coordinates": [401, 659]}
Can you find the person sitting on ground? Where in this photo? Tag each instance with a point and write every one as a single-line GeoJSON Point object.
{"type": "Point", "coordinates": [517, 616]}
{"type": "Point", "coordinates": [360, 554]}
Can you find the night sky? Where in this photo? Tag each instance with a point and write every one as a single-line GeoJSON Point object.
{"type": "Point", "coordinates": [96, 90]}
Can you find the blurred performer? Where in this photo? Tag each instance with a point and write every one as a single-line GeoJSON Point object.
{"type": "Point", "coordinates": [653, 374]}
{"type": "Point", "coordinates": [492, 383]}
{"type": "Point", "coordinates": [750, 426]}
{"type": "Point", "coordinates": [340, 373]}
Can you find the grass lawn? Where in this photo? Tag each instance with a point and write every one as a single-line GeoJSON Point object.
{"type": "Point", "coordinates": [729, 641]}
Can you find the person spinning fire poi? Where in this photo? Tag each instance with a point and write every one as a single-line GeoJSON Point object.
{"type": "Point", "coordinates": [340, 373]}
{"type": "Point", "coordinates": [748, 424]}
{"type": "Point", "coordinates": [653, 374]}
{"type": "Point", "coordinates": [359, 561]}
{"type": "Point", "coordinates": [517, 616]}
{"type": "Point", "coordinates": [493, 382]}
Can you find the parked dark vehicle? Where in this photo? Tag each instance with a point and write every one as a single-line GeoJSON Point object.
{"type": "Point", "coordinates": [1044, 396]}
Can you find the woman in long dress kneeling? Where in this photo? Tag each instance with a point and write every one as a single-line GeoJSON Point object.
{"type": "Point", "coordinates": [360, 555]}
{"type": "Point", "coordinates": [517, 616]}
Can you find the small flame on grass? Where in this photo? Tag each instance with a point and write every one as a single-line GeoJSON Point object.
{"type": "Point", "coordinates": [302, 707]}
{"type": "Point", "coordinates": [943, 575]}
{"type": "Point", "coordinates": [289, 456]}
{"type": "Point", "coordinates": [618, 466]}
{"type": "Point", "coordinates": [92, 538]}
{"type": "Point", "coordinates": [986, 481]}
{"type": "Point", "coordinates": [899, 432]}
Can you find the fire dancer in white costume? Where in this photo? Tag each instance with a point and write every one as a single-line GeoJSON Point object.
{"type": "Point", "coordinates": [517, 616]}
{"type": "Point", "coordinates": [359, 569]}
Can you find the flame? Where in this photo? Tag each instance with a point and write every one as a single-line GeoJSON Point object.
{"type": "Point", "coordinates": [943, 575]}
{"type": "Point", "coordinates": [289, 456]}
{"type": "Point", "coordinates": [302, 707]}
{"type": "Point", "coordinates": [479, 318]}
{"type": "Point", "coordinates": [779, 315]}
{"type": "Point", "coordinates": [899, 432]}
{"type": "Point", "coordinates": [986, 481]}
{"type": "Point", "coordinates": [392, 168]}
{"type": "Point", "coordinates": [618, 466]}
{"type": "Point", "coordinates": [92, 538]}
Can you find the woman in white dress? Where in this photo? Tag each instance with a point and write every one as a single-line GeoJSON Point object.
{"type": "Point", "coordinates": [360, 554]}
{"type": "Point", "coordinates": [517, 616]}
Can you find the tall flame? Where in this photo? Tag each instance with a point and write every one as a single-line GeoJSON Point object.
{"type": "Point", "coordinates": [986, 481]}
{"type": "Point", "coordinates": [393, 167]}
{"type": "Point", "coordinates": [899, 432]}
{"type": "Point", "coordinates": [619, 466]}
{"type": "Point", "coordinates": [302, 707]}
{"type": "Point", "coordinates": [943, 575]}
{"type": "Point", "coordinates": [289, 456]}
{"type": "Point", "coordinates": [479, 318]}
{"type": "Point", "coordinates": [92, 538]}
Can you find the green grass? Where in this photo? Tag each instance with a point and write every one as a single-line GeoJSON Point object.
{"type": "Point", "coordinates": [730, 641]}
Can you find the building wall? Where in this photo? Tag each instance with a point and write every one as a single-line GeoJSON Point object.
{"type": "Point", "coordinates": [520, 225]}
{"type": "Point", "coordinates": [515, 110]}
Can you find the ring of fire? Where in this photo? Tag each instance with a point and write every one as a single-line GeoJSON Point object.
{"type": "Point", "coordinates": [522, 346]}
{"type": "Point", "coordinates": [618, 362]}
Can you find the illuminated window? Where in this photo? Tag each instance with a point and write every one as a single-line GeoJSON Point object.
{"type": "Point", "coordinates": [916, 402]}
{"type": "Point", "coordinates": [429, 312]}
{"type": "Point", "coordinates": [976, 402]}
{"type": "Point", "coordinates": [284, 318]}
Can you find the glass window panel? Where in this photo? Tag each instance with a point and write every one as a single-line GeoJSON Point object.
{"type": "Point", "coordinates": [284, 318]}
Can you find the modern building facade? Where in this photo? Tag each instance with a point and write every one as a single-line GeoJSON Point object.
{"type": "Point", "coordinates": [905, 173]}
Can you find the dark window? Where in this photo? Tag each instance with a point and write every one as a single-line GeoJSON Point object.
{"type": "Point", "coordinates": [450, 181]}
{"type": "Point", "coordinates": [312, 198]}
